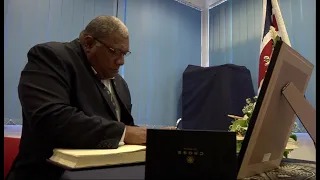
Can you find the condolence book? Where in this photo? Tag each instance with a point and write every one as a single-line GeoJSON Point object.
{"type": "Point", "coordinates": [88, 158]}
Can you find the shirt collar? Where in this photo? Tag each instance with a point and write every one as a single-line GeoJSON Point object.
{"type": "Point", "coordinates": [95, 72]}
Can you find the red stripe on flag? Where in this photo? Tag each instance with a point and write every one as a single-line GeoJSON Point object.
{"type": "Point", "coordinates": [274, 22]}
{"type": "Point", "coordinates": [266, 51]}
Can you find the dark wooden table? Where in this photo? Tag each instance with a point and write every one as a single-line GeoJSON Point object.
{"type": "Point", "coordinates": [290, 169]}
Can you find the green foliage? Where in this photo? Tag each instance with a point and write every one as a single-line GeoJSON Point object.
{"type": "Point", "coordinates": [275, 40]}
{"type": "Point", "coordinates": [293, 136]}
{"type": "Point", "coordinates": [240, 125]}
{"type": "Point", "coordinates": [286, 152]}
{"type": "Point", "coordinates": [239, 143]}
{"type": "Point", "coordinates": [249, 107]}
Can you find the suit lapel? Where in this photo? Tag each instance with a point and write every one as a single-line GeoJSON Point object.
{"type": "Point", "coordinates": [116, 91]}
{"type": "Point", "coordinates": [106, 95]}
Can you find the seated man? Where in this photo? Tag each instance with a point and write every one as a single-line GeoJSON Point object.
{"type": "Point", "coordinates": [73, 97]}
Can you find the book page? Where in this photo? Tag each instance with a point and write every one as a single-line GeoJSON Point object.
{"type": "Point", "coordinates": [91, 152]}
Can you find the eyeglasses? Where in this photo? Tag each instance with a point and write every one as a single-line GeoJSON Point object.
{"type": "Point", "coordinates": [116, 52]}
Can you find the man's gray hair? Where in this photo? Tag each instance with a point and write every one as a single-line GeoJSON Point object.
{"type": "Point", "coordinates": [104, 26]}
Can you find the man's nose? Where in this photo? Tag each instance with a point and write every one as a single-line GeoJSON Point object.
{"type": "Point", "coordinates": [120, 61]}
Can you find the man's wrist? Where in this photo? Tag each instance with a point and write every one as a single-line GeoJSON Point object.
{"type": "Point", "coordinates": [112, 143]}
{"type": "Point", "coordinates": [122, 138]}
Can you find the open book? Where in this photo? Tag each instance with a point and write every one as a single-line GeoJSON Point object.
{"type": "Point", "coordinates": [87, 158]}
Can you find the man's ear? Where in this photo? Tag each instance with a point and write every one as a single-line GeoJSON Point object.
{"type": "Point", "coordinates": [88, 42]}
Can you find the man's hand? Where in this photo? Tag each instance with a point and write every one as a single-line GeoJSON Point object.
{"type": "Point", "coordinates": [135, 135]}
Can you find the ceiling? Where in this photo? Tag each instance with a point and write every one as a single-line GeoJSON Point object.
{"type": "Point", "coordinates": [201, 3]}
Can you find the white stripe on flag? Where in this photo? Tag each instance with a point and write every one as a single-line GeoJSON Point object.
{"type": "Point", "coordinates": [264, 10]}
{"type": "Point", "coordinates": [265, 40]}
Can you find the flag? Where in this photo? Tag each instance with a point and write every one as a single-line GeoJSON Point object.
{"type": "Point", "coordinates": [273, 29]}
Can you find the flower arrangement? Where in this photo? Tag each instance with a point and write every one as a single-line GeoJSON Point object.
{"type": "Point", "coordinates": [240, 126]}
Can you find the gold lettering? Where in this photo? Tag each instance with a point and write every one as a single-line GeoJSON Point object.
{"type": "Point", "coordinates": [195, 153]}
{"type": "Point", "coordinates": [201, 153]}
{"type": "Point", "coordinates": [190, 152]}
{"type": "Point", "coordinates": [184, 152]}
{"type": "Point", "coordinates": [179, 152]}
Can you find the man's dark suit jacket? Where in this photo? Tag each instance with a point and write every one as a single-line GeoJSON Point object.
{"type": "Point", "coordinates": [65, 105]}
